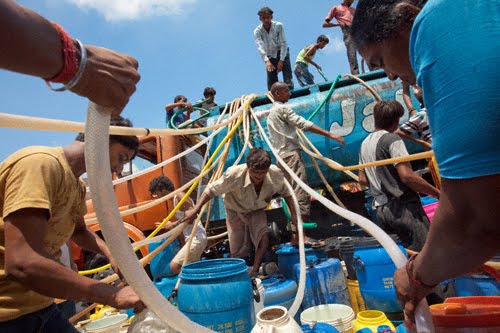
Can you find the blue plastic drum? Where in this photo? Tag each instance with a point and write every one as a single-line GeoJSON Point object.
{"type": "Point", "coordinates": [160, 264]}
{"type": "Point", "coordinates": [325, 284]}
{"type": "Point", "coordinates": [279, 291]}
{"type": "Point", "coordinates": [288, 256]}
{"type": "Point", "coordinates": [218, 294]}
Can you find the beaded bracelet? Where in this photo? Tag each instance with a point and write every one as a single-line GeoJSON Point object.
{"type": "Point", "coordinates": [71, 72]}
{"type": "Point", "coordinates": [409, 271]}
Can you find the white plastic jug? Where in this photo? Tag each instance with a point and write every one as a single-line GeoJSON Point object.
{"type": "Point", "coordinates": [275, 319]}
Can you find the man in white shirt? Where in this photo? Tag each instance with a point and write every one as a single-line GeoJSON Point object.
{"type": "Point", "coordinates": [273, 48]}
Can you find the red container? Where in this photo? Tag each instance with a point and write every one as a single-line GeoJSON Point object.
{"type": "Point", "coordinates": [479, 314]}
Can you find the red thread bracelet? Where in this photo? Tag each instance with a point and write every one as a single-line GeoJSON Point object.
{"type": "Point", "coordinates": [409, 271]}
{"type": "Point", "coordinates": [70, 66]}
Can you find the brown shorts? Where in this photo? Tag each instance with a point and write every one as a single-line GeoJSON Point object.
{"type": "Point", "coordinates": [294, 160]}
{"type": "Point", "coordinates": [243, 228]}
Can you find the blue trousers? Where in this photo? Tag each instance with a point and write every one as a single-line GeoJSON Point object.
{"type": "Point", "coordinates": [48, 320]}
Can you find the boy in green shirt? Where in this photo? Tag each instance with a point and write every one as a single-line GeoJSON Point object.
{"type": "Point", "coordinates": [305, 58]}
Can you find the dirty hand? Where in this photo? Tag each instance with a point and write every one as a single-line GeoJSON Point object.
{"type": "Point", "coordinates": [189, 216]}
{"type": "Point", "coordinates": [109, 78]}
{"type": "Point", "coordinates": [338, 138]}
{"type": "Point", "coordinates": [126, 298]}
{"type": "Point", "coordinates": [280, 66]}
{"type": "Point", "coordinates": [269, 66]}
{"type": "Point", "coordinates": [318, 67]}
{"type": "Point", "coordinates": [409, 295]}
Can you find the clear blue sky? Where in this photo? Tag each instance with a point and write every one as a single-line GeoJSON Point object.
{"type": "Point", "coordinates": [182, 46]}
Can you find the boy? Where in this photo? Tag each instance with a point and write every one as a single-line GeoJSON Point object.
{"type": "Point", "coordinates": [162, 186]}
{"type": "Point", "coordinates": [282, 124]}
{"type": "Point", "coordinates": [180, 102]}
{"type": "Point", "coordinates": [305, 58]}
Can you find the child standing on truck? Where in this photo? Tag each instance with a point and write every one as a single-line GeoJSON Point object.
{"type": "Point", "coordinates": [282, 124]}
{"type": "Point", "coordinates": [305, 58]}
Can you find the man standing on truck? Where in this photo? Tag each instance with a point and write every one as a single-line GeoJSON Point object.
{"type": "Point", "coordinates": [273, 48]}
{"type": "Point", "coordinates": [282, 125]}
{"type": "Point", "coordinates": [42, 201]}
{"type": "Point", "coordinates": [248, 190]}
{"type": "Point", "coordinates": [344, 13]}
{"type": "Point", "coordinates": [394, 187]}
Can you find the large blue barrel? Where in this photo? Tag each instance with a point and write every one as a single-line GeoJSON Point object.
{"type": "Point", "coordinates": [375, 272]}
{"type": "Point", "coordinates": [325, 283]}
{"type": "Point", "coordinates": [160, 264]}
{"type": "Point", "coordinates": [288, 256]}
{"type": "Point", "coordinates": [476, 285]}
{"type": "Point", "coordinates": [279, 291]}
{"type": "Point", "coordinates": [218, 294]}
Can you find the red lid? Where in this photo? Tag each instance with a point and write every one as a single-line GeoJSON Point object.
{"type": "Point", "coordinates": [476, 311]}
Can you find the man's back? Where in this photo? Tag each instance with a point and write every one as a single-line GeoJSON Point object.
{"type": "Point", "coordinates": [385, 182]}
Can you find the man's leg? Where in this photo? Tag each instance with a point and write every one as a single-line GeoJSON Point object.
{"type": "Point", "coordinates": [303, 75]}
{"type": "Point", "coordinates": [257, 227]}
{"type": "Point", "coordinates": [351, 51]}
{"type": "Point", "coordinates": [295, 162]}
{"type": "Point", "coordinates": [47, 320]}
{"type": "Point", "coordinates": [287, 71]}
{"type": "Point", "coordinates": [272, 77]}
{"type": "Point", "coordinates": [239, 242]}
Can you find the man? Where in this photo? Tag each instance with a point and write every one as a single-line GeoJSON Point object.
{"type": "Point", "coordinates": [344, 13]}
{"type": "Point", "coordinates": [273, 48]}
{"type": "Point", "coordinates": [247, 189]}
{"type": "Point", "coordinates": [418, 123]}
{"type": "Point", "coordinates": [394, 188]}
{"type": "Point", "coordinates": [415, 44]}
{"type": "Point", "coordinates": [31, 45]}
{"type": "Point", "coordinates": [162, 186]}
{"type": "Point", "coordinates": [42, 200]}
{"type": "Point", "coordinates": [180, 102]}
{"type": "Point", "coordinates": [282, 125]}
{"type": "Point", "coordinates": [305, 58]}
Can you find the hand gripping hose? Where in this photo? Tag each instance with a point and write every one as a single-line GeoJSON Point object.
{"type": "Point", "coordinates": [103, 196]}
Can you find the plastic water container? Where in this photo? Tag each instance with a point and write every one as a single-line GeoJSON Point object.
{"type": "Point", "coordinates": [375, 273]}
{"type": "Point", "coordinates": [164, 286]}
{"type": "Point", "coordinates": [357, 302]}
{"type": "Point", "coordinates": [218, 294]}
{"type": "Point", "coordinates": [109, 324]}
{"type": "Point", "coordinates": [288, 256]}
{"type": "Point", "coordinates": [476, 285]}
{"type": "Point", "coordinates": [319, 328]}
{"type": "Point", "coordinates": [325, 283]}
{"type": "Point", "coordinates": [339, 316]}
{"type": "Point", "coordinates": [279, 291]}
{"type": "Point", "coordinates": [160, 264]}
{"type": "Point", "coordinates": [371, 319]}
{"type": "Point", "coordinates": [467, 314]}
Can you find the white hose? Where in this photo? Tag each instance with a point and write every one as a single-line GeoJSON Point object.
{"type": "Point", "coordinates": [99, 175]}
{"type": "Point", "coordinates": [302, 256]}
{"type": "Point", "coordinates": [422, 315]}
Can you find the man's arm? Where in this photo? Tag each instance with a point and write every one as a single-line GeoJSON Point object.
{"type": "Point", "coordinates": [192, 213]}
{"type": "Point", "coordinates": [415, 182]}
{"type": "Point", "coordinates": [89, 240]}
{"type": "Point", "coordinates": [309, 53]}
{"type": "Point", "coordinates": [319, 130]}
{"type": "Point", "coordinates": [407, 98]}
{"type": "Point", "coordinates": [331, 14]}
{"type": "Point", "coordinates": [465, 228]}
{"type": "Point", "coordinates": [30, 44]}
{"type": "Point", "coordinates": [27, 263]}
{"type": "Point", "coordinates": [362, 178]}
{"type": "Point", "coordinates": [293, 213]}
{"type": "Point", "coordinates": [410, 137]}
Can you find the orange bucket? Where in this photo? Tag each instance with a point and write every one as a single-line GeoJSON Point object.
{"type": "Point", "coordinates": [467, 314]}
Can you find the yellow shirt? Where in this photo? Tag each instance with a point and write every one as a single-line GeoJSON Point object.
{"type": "Point", "coordinates": [37, 177]}
{"type": "Point", "coordinates": [239, 191]}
